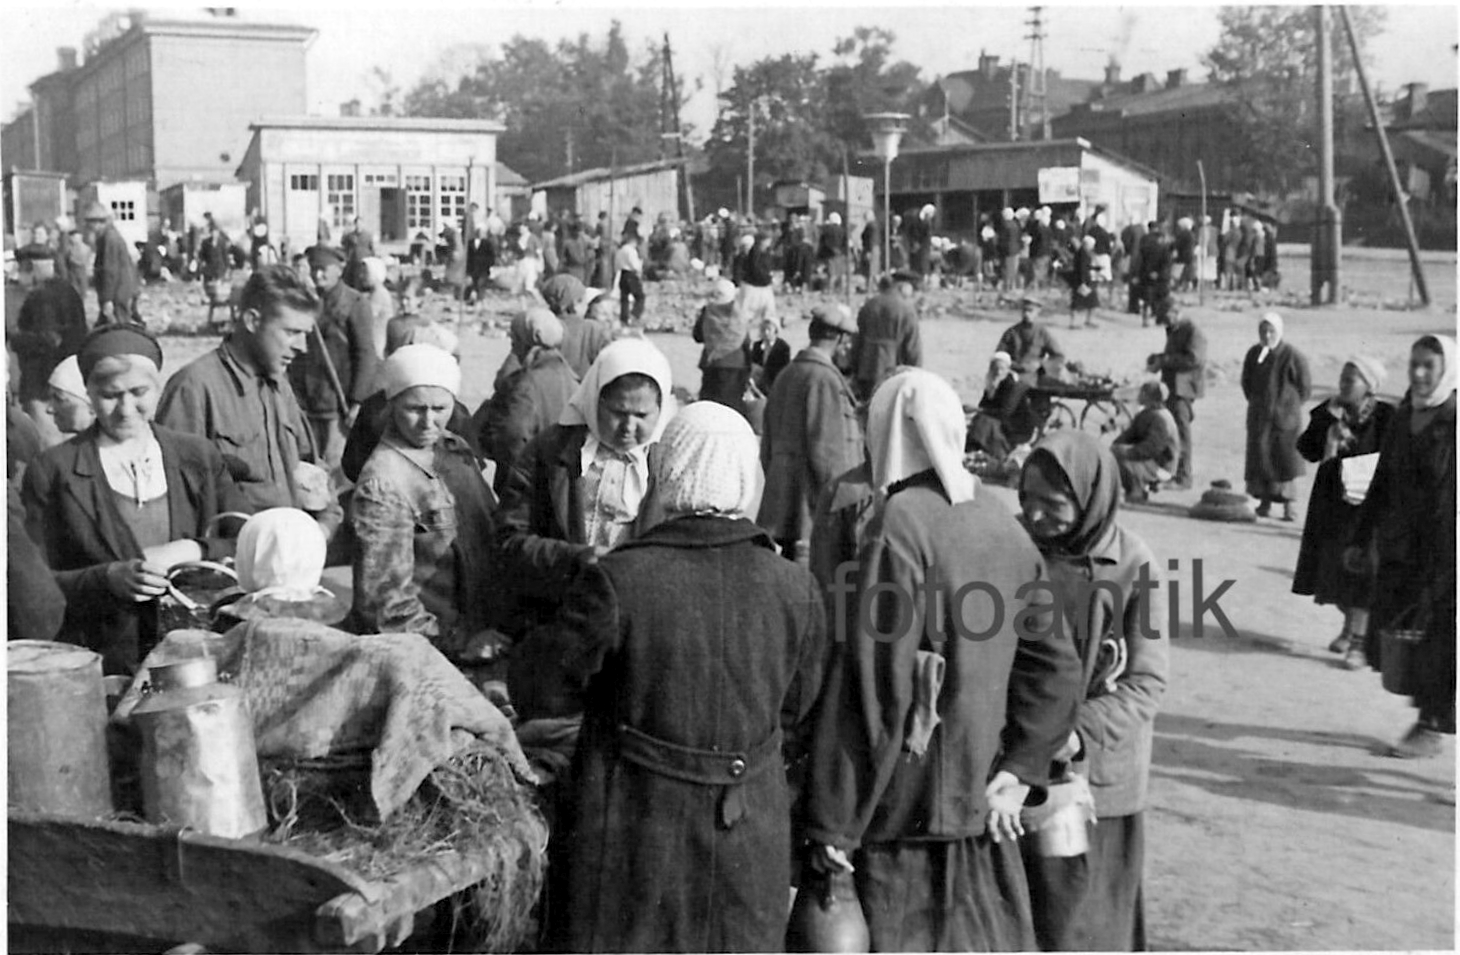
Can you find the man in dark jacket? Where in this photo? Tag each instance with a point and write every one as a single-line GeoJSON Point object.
{"type": "Point", "coordinates": [481, 255]}
{"type": "Point", "coordinates": [1156, 262]}
{"type": "Point", "coordinates": [113, 272]}
{"type": "Point", "coordinates": [811, 433]}
{"type": "Point", "coordinates": [887, 334]}
{"type": "Point", "coordinates": [1011, 246]}
{"type": "Point", "coordinates": [1183, 371]}
{"type": "Point", "coordinates": [332, 381]}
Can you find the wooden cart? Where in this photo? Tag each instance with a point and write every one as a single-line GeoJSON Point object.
{"type": "Point", "coordinates": [74, 883]}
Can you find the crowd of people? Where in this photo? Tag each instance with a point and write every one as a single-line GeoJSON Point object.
{"type": "Point", "coordinates": [734, 633]}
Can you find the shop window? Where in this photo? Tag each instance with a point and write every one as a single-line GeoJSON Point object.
{"type": "Point", "coordinates": [418, 203]}
{"type": "Point", "coordinates": [303, 183]}
{"type": "Point", "coordinates": [453, 198]}
{"type": "Point", "coordinates": [123, 210]}
{"type": "Point", "coordinates": [340, 197]}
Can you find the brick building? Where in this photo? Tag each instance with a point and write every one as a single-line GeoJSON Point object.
{"type": "Point", "coordinates": [164, 100]}
{"type": "Point", "coordinates": [981, 98]}
{"type": "Point", "coordinates": [1165, 125]}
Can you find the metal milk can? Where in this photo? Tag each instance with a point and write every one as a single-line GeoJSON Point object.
{"type": "Point", "coordinates": [200, 769]}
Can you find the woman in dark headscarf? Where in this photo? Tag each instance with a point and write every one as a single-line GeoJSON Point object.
{"type": "Point", "coordinates": [1275, 383]}
{"type": "Point", "coordinates": [1351, 423]}
{"type": "Point", "coordinates": [1069, 492]}
{"type": "Point", "coordinates": [1408, 527]}
{"type": "Point", "coordinates": [530, 400]}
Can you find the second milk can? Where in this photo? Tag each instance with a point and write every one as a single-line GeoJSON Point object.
{"type": "Point", "coordinates": [199, 766]}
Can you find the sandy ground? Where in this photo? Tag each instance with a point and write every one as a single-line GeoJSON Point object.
{"type": "Point", "coordinates": [1274, 823]}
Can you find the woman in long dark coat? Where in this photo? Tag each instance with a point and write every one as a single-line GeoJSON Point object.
{"type": "Point", "coordinates": [1352, 422]}
{"type": "Point", "coordinates": [1275, 382]}
{"type": "Point", "coordinates": [1408, 527]}
{"type": "Point", "coordinates": [695, 654]}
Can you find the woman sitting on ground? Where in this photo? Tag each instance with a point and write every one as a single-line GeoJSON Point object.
{"type": "Point", "coordinates": [1147, 451]}
{"type": "Point", "coordinates": [1069, 494]}
{"type": "Point", "coordinates": [1006, 416]}
{"type": "Point", "coordinates": [1353, 422]}
{"type": "Point", "coordinates": [422, 515]}
{"type": "Point", "coordinates": [118, 506]}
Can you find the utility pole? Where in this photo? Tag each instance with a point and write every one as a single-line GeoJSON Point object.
{"type": "Point", "coordinates": [569, 135]}
{"type": "Point", "coordinates": [1036, 90]}
{"type": "Point", "coordinates": [671, 91]}
{"type": "Point", "coordinates": [1014, 101]}
{"type": "Point", "coordinates": [1327, 234]}
{"type": "Point", "coordinates": [1399, 198]}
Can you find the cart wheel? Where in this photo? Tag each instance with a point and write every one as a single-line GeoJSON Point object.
{"type": "Point", "coordinates": [1061, 415]}
{"type": "Point", "coordinates": [1104, 418]}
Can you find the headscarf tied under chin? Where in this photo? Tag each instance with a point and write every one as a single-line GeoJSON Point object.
{"type": "Point", "coordinates": [1447, 381]}
{"type": "Point", "coordinates": [623, 357]}
{"type": "Point", "coordinates": [1276, 321]}
{"type": "Point", "coordinates": [915, 423]}
{"type": "Point", "coordinates": [1093, 479]}
{"type": "Point", "coordinates": [281, 554]}
{"type": "Point", "coordinates": [708, 462]}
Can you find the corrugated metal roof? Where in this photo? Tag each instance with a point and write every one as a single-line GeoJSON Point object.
{"type": "Point", "coordinates": [606, 172]}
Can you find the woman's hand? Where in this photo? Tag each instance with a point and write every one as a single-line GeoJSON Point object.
{"type": "Point", "coordinates": [136, 580]}
{"type": "Point", "coordinates": [830, 859]}
{"type": "Point", "coordinates": [1006, 795]}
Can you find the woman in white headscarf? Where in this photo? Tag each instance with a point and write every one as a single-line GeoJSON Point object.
{"type": "Point", "coordinates": [939, 717]}
{"type": "Point", "coordinates": [1276, 383]}
{"type": "Point", "coordinates": [583, 486]}
{"type": "Point", "coordinates": [695, 655]}
{"type": "Point", "coordinates": [422, 515]}
{"type": "Point", "coordinates": [279, 557]}
{"type": "Point", "coordinates": [70, 406]}
{"type": "Point", "coordinates": [1407, 530]}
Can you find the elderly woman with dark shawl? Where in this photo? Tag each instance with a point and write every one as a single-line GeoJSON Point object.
{"type": "Point", "coordinates": [695, 654]}
{"type": "Point", "coordinates": [1353, 422]}
{"type": "Point", "coordinates": [1275, 383]}
{"type": "Point", "coordinates": [1069, 493]}
{"type": "Point", "coordinates": [1407, 527]}
{"type": "Point", "coordinates": [935, 725]}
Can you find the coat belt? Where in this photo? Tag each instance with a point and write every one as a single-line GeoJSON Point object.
{"type": "Point", "coordinates": [704, 766]}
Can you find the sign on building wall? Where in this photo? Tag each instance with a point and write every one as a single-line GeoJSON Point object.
{"type": "Point", "coordinates": [1058, 184]}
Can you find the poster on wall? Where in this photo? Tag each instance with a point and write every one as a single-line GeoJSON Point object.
{"type": "Point", "coordinates": [1059, 184]}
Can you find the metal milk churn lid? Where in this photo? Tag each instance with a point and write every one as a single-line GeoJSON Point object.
{"type": "Point", "coordinates": [199, 766]}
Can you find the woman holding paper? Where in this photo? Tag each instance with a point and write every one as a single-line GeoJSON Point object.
{"type": "Point", "coordinates": [1343, 438]}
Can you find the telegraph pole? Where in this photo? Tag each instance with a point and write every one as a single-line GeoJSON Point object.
{"type": "Point", "coordinates": [1036, 89]}
{"type": "Point", "coordinates": [671, 90]}
{"type": "Point", "coordinates": [1328, 235]}
{"type": "Point", "coordinates": [750, 163]}
{"type": "Point", "coordinates": [1014, 101]}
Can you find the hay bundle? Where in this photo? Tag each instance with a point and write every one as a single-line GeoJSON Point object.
{"type": "Point", "coordinates": [472, 805]}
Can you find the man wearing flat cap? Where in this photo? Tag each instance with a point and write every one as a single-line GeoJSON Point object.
{"type": "Point", "coordinates": [887, 334]}
{"type": "Point", "coordinates": [114, 274]}
{"type": "Point", "coordinates": [333, 380]}
{"type": "Point", "coordinates": [811, 432]}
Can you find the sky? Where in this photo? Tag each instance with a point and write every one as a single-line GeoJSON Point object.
{"type": "Point", "coordinates": [410, 40]}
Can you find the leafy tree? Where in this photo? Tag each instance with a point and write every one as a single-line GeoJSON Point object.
{"type": "Point", "coordinates": [591, 100]}
{"type": "Point", "coordinates": [1267, 57]}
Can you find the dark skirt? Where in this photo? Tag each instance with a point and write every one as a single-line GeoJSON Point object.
{"type": "Point", "coordinates": [1093, 902]}
{"type": "Point", "coordinates": [1430, 667]}
{"type": "Point", "coordinates": [1327, 531]}
{"type": "Point", "coordinates": [964, 895]}
{"type": "Point", "coordinates": [1083, 303]}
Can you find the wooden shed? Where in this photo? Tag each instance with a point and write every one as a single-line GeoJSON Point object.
{"type": "Point", "coordinates": [650, 186]}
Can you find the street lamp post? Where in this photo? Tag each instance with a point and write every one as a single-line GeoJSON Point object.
{"type": "Point", "coordinates": [887, 130]}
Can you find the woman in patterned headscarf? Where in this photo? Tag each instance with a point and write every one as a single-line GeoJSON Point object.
{"type": "Point", "coordinates": [695, 654]}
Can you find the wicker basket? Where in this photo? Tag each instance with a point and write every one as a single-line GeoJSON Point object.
{"type": "Point", "coordinates": [1397, 644]}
